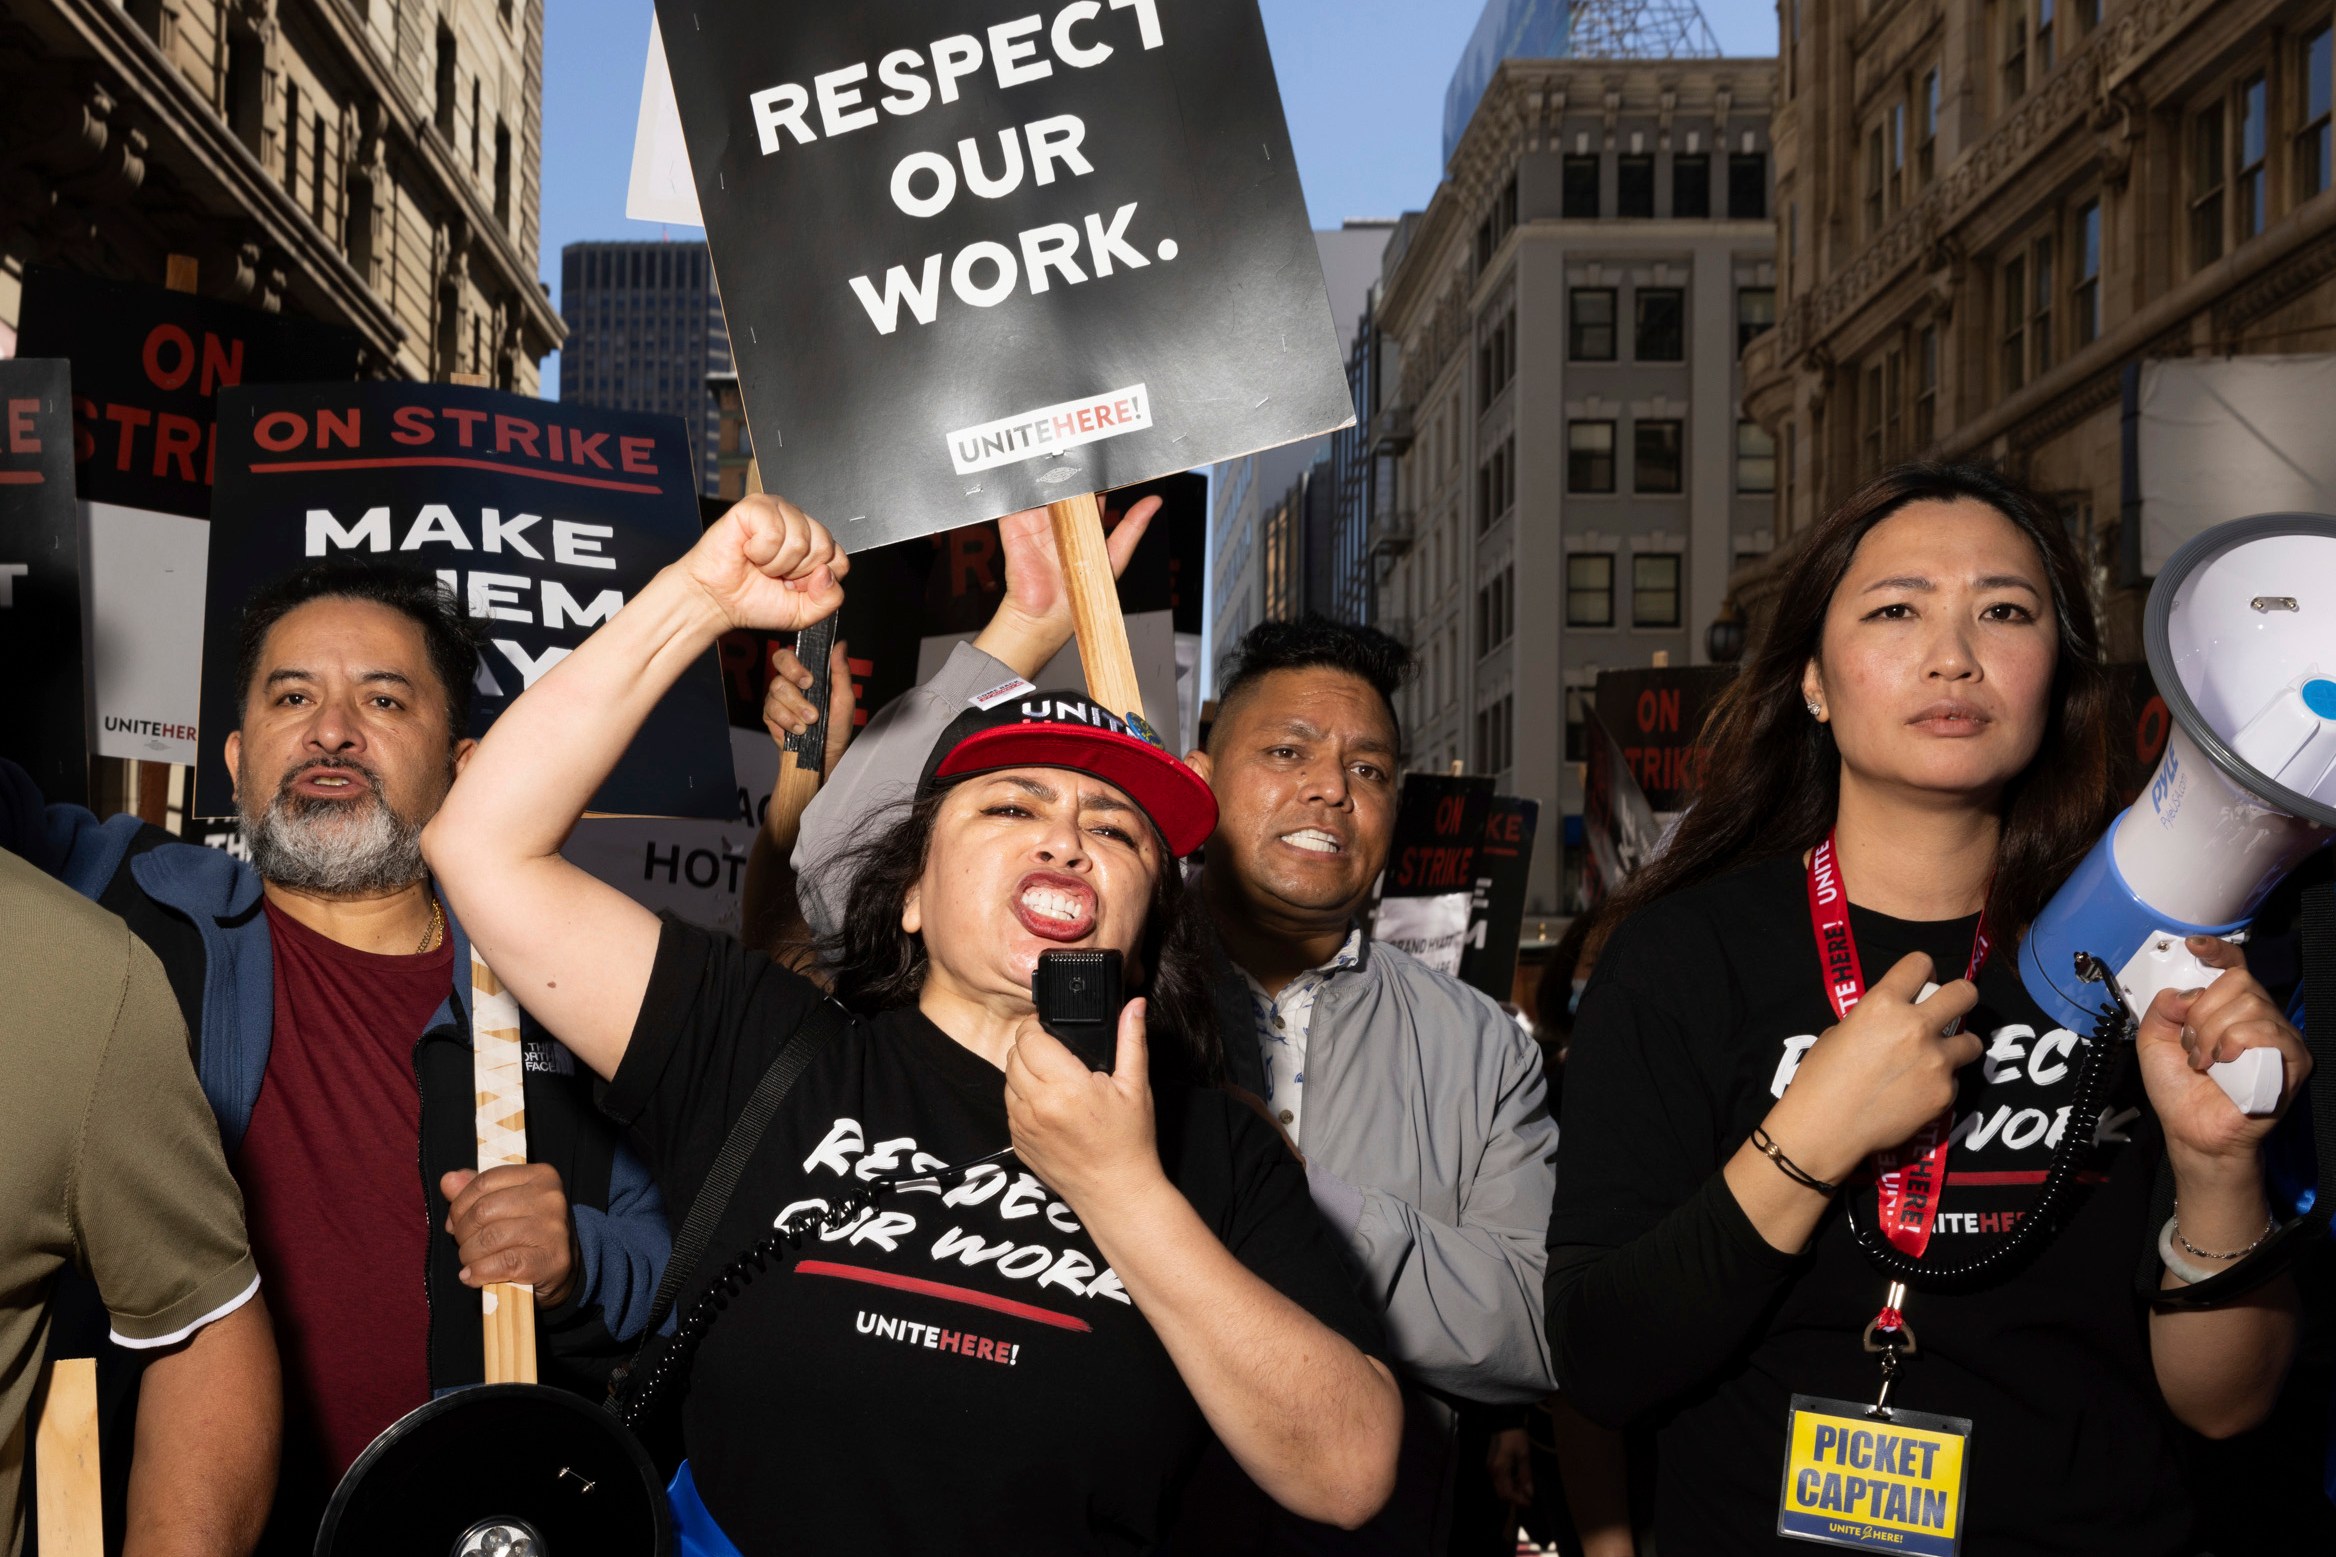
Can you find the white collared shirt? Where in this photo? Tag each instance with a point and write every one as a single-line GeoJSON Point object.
{"type": "Point", "coordinates": [1284, 1022]}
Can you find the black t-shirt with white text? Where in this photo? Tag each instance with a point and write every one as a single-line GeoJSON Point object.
{"type": "Point", "coordinates": [957, 1369]}
{"type": "Point", "coordinates": [1696, 1018]}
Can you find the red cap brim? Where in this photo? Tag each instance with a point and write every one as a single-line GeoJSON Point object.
{"type": "Point", "coordinates": [1176, 799]}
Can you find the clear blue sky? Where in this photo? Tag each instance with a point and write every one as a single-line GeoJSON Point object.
{"type": "Point", "coordinates": [1362, 82]}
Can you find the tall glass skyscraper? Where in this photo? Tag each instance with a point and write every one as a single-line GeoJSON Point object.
{"type": "Point", "coordinates": [644, 330]}
{"type": "Point", "coordinates": [1508, 29]}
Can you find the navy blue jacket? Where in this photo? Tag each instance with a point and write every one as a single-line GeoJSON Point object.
{"type": "Point", "coordinates": [200, 910]}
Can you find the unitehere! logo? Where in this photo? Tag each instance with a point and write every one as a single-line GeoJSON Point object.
{"type": "Point", "coordinates": [1015, 438]}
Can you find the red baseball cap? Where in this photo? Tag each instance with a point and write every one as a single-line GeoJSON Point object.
{"type": "Point", "coordinates": [1018, 726]}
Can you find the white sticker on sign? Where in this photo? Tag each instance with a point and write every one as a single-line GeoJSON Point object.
{"type": "Point", "coordinates": [142, 589]}
{"type": "Point", "coordinates": [1050, 429]}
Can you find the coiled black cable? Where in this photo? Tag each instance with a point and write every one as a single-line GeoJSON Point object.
{"type": "Point", "coordinates": [2102, 1064]}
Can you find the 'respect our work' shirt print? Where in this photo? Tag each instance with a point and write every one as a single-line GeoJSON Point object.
{"type": "Point", "coordinates": [1694, 1024]}
{"type": "Point", "coordinates": [957, 1369]}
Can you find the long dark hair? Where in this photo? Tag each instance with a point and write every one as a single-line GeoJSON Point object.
{"type": "Point", "coordinates": [1772, 780]}
{"type": "Point", "coordinates": [878, 966]}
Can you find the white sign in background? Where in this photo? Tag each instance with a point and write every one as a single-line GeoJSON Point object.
{"type": "Point", "coordinates": [142, 580]}
{"type": "Point", "coordinates": [661, 189]}
{"type": "Point", "coordinates": [690, 868]}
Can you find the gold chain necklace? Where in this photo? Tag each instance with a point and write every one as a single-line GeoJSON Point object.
{"type": "Point", "coordinates": [437, 924]}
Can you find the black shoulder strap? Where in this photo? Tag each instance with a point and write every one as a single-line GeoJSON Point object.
{"type": "Point", "coordinates": [823, 1024]}
{"type": "Point", "coordinates": [2281, 1248]}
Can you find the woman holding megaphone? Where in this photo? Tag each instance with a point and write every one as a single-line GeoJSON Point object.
{"type": "Point", "coordinates": [1806, 1068]}
{"type": "Point", "coordinates": [993, 1298]}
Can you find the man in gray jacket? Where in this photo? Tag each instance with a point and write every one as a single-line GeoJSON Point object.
{"type": "Point", "coordinates": [1417, 1106]}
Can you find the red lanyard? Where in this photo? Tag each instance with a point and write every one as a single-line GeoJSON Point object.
{"type": "Point", "coordinates": [1908, 1179]}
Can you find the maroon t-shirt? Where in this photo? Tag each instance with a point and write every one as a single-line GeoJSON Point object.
{"type": "Point", "coordinates": [332, 1185]}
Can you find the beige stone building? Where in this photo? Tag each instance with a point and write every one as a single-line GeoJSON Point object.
{"type": "Point", "coordinates": [373, 163]}
{"type": "Point", "coordinates": [1559, 336]}
{"type": "Point", "coordinates": [1988, 209]}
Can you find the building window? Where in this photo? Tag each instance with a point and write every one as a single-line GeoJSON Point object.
{"type": "Point", "coordinates": [502, 173]}
{"type": "Point", "coordinates": [1748, 186]}
{"type": "Point", "coordinates": [2315, 154]}
{"type": "Point", "coordinates": [2086, 296]}
{"type": "Point", "coordinates": [2045, 51]}
{"type": "Point", "coordinates": [1926, 140]}
{"type": "Point", "coordinates": [2206, 186]}
{"type": "Point", "coordinates": [1589, 589]}
{"type": "Point", "coordinates": [2254, 141]}
{"type": "Point", "coordinates": [1496, 612]}
{"type": "Point", "coordinates": [316, 168]}
{"type": "Point", "coordinates": [2012, 349]}
{"type": "Point", "coordinates": [292, 140]}
{"type": "Point", "coordinates": [1755, 311]}
{"type": "Point", "coordinates": [1634, 185]}
{"type": "Point", "coordinates": [1498, 223]}
{"type": "Point", "coordinates": [1926, 386]}
{"type": "Point", "coordinates": [1654, 449]}
{"type": "Point", "coordinates": [2014, 66]}
{"type": "Point", "coordinates": [1755, 458]}
{"type": "Point", "coordinates": [1580, 197]}
{"type": "Point", "coordinates": [1870, 419]}
{"type": "Point", "coordinates": [1591, 332]}
{"type": "Point", "coordinates": [1661, 334]}
{"type": "Point", "coordinates": [1654, 589]}
{"type": "Point", "coordinates": [444, 101]}
{"type": "Point", "coordinates": [2040, 307]}
{"type": "Point", "coordinates": [1690, 186]}
{"type": "Point", "coordinates": [1496, 485]}
{"type": "Point", "coordinates": [1589, 461]}
{"type": "Point", "coordinates": [1874, 181]}
{"type": "Point", "coordinates": [1577, 724]}
{"type": "Point", "coordinates": [1893, 405]}
{"type": "Point", "coordinates": [1495, 738]}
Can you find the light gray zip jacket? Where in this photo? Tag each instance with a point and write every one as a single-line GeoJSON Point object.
{"type": "Point", "coordinates": [1428, 1137]}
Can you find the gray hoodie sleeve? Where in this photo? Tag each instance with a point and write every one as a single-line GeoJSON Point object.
{"type": "Point", "coordinates": [879, 770]}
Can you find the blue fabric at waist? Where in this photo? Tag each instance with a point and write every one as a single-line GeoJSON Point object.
{"type": "Point", "coordinates": [695, 1533]}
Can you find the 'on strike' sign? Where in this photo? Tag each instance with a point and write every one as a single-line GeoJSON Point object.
{"type": "Point", "coordinates": [976, 257]}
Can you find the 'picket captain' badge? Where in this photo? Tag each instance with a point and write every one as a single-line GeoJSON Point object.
{"type": "Point", "coordinates": [1882, 1483]}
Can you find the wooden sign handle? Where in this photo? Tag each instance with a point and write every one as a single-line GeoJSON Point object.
{"type": "Point", "coordinates": [499, 1073]}
{"type": "Point", "coordinates": [71, 1512]}
{"type": "Point", "coordinates": [1103, 650]}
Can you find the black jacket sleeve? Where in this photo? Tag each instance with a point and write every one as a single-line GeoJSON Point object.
{"type": "Point", "coordinates": [1656, 1276]}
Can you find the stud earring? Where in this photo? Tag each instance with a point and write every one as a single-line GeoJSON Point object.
{"type": "Point", "coordinates": [1815, 709]}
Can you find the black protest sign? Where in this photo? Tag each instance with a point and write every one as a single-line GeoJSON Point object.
{"type": "Point", "coordinates": [1425, 896]}
{"type": "Point", "coordinates": [542, 519]}
{"type": "Point", "coordinates": [148, 366]}
{"type": "Point", "coordinates": [44, 716]}
{"type": "Point", "coordinates": [1617, 822]}
{"type": "Point", "coordinates": [1656, 718]}
{"type": "Point", "coordinates": [1496, 915]}
{"type": "Point", "coordinates": [1439, 827]}
{"type": "Point", "coordinates": [975, 258]}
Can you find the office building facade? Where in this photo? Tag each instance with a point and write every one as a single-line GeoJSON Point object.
{"type": "Point", "coordinates": [1260, 555]}
{"type": "Point", "coordinates": [1559, 333]}
{"type": "Point", "coordinates": [375, 166]}
{"type": "Point", "coordinates": [1989, 211]}
{"type": "Point", "coordinates": [645, 333]}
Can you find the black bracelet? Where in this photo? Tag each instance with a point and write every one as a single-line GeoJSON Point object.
{"type": "Point", "coordinates": [1767, 1147]}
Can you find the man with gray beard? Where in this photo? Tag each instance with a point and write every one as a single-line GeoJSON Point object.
{"type": "Point", "coordinates": [327, 989]}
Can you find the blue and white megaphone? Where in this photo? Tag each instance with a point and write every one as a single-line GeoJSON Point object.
{"type": "Point", "coordinates": [2241, 637]}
